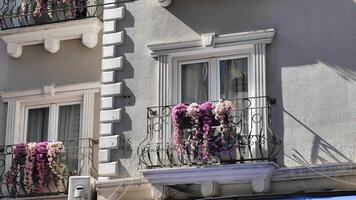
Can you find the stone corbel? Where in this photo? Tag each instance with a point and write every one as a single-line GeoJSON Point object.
{"type": "Point", "coordinates": [262, 184]}
{"type": "Point", "coordinates": [51, 45]}
{"type": "Point", "coordinates": [51, 35]}
{"type": "Point", "coordinates": [90, 39]}
{"type": "Point", "coordinates": [164, 3]}
{"type": "Point", "coordinates": [209, 188]}
{"type": "Point", "coordinates": [14, 49]}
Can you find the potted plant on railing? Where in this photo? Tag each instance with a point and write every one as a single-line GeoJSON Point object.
{"type": "Point", "coordinates": [36, 168]}
{"type": "Point", "coordinates": [210, 133]}
{"type": "Point", "coordinates": [45, 11]}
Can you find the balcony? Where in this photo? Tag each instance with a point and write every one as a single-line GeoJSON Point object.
{"type": "Point", "coordinates": [30, 22]}
{"type": "Point", "coordinates": [24, 13]}
{"type": "Point", "coordinates": [43, 169]}
{"type": "Point", "coordinates": [212, 143]}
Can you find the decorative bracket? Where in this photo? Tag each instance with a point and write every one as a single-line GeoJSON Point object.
{"type": "Point", "coordinates": [51, 45]}
{"type": "Point", "coordinates": [51, 35]}
{"type": "Point", "coordinates": [208, 39]}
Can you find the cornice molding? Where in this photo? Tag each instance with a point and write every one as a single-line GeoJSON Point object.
{"type": "Point", "coordinates": [309, 172]}
{"type": "Point", "coordinates": [210, 40]}
{"type": "Point", "coordinates": [51, 35]}
{"type": "Point", "coordinates": [50, 90]}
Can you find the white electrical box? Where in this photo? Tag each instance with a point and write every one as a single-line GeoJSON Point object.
{"type": "Point", "coordinates": [81, 188]}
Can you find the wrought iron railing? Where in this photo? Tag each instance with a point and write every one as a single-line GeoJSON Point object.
{"type": "Point", "coordinates": [252, 138]}
{"type": "Point", "coordinates": [15, 170]}
{"type": "Point", "coordinates": [23, 13]}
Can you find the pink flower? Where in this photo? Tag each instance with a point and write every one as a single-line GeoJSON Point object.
{"type": "Point", "coordinates": [179, 112]}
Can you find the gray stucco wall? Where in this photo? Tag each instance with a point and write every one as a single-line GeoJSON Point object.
{"type": "Point", "coordinates": [73, 63]}
{"type": "Point", "coordinates": [311, 67]}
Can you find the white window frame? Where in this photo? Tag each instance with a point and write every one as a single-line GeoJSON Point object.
{"type": "Point", "coordinates": [52, 134]}
{"type": "Point", "coordinates": [210, 45]}
{"type": "Point", "coordinates": [214, 73]}
{"type": "Point", "coordinates": [19, 102]}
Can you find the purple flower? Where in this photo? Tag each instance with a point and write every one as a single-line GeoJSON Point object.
{"type": "Point", "coordinates": [206, 110]}
{"type": "Point", "coordinates": [179, 112]}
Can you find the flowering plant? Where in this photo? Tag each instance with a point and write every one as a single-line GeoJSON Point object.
{"type": "Point", "coordinates": [38, 7]}
{"type": "Point", "coordinates": [39, 162]}
{"type": "Point", "coordinates": [179, 112]}
{"type": "Point", "coordinates": [202, 141]}
{"type": "Point", "coordinates": [194, 112]}
{"type": "Point", "coordinates": [29, 167]}
{"type": "Point", "coordinates": [206, 109]}
{"type": "Point", "coordinates": [11, 176]}
{"type": "Point", "coordinates": [57, 168]}
{"type": "Point", "coordinates": [223, 111]}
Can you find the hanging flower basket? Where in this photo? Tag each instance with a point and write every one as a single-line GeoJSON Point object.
{"type": "Point", "coordinates": [36, 168]}
{"type": "Point", "coordinates": [209, 132]}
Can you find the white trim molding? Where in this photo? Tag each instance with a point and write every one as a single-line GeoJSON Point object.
{"type": "Point", "coordinates": [210, 41]}
{"type": "Point", "coordinates": [51, 90]}
{"type": "Point", "coordinates": [51, 35]}
{"type": "Point", "coordinates": [18, 102]}
{"type": "Point", "coordinates": [210, 177]}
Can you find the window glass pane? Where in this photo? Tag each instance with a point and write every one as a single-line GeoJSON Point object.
{"type": "Point", "coordinates": [37, 124]}
{"type": "Point", "coordinates": [195, 82]}
{"type": "Point", "coordinates": [68, 133]}
{"type": "Point", "coordinates": [233, 78]}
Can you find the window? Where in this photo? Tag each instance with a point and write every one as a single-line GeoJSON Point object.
{"type": "Point", "coordinates": [63, 113]}
{"type": "Point", "coordinates": [213, 78]}
{"type": "Point", "coordinates": [197, 75]}
{"type": "Point", "coordinates": [63, 121]}
{"type": "Point", "coordinates": [64, 126]}
{"type": "Point", "coordinates": [230, 66]}
{"type": "Point", "coordinates": [37, 124]}
{"type": "Point", "coordinates": [236, 66]}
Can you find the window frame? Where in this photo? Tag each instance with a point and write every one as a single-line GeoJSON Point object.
{"type": "Point", "coordinates": [16, 101]}
{"type": "Point", "coordinates": [53, 114]}
{"type": "Point", "coordinates": [213, 60]}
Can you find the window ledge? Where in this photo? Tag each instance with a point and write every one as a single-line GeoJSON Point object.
{"type": "Point", "coordinates": [258, 174]}
{"type": "Point", "coordinates": [51, 35]}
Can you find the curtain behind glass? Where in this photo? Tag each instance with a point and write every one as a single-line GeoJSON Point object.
{"type": "Point", "coordinates": [233, 78]}
{"type": "Point", "coordinates": [68, 133]}
{"type": "Point", "coordinates": [195, 82]}
{"type": "Point", "coordinates": [233, 86]}
{"type": "Point", "coordinates": [37, 125]}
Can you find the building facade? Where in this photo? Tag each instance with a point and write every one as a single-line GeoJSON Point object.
{"type": "Point", "coordinates": [116, 83]}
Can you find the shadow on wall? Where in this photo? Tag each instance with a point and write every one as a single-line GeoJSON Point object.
{"type": "Point", "coordinates": [128, 99]}
{"type": "Point", "coordinates": [346, 73]}
{"type": "Point", "coordinates": [319, 146]}
{"type": "Point", "coordinates": [307, 31]}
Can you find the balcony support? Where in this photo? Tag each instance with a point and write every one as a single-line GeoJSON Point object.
{"type": "Point", "coordinates": [14, 49]}
{"type": "Point", "coordinates": [51, 35]}
{"type": "Point", "coordinates": [209, 188]}
{"type": "Point", "coordinates": [51, 45]}
{"type": "Point", "coordinates": [211, 177]}
{"type": "Point", "coordinates": [90, 39]}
